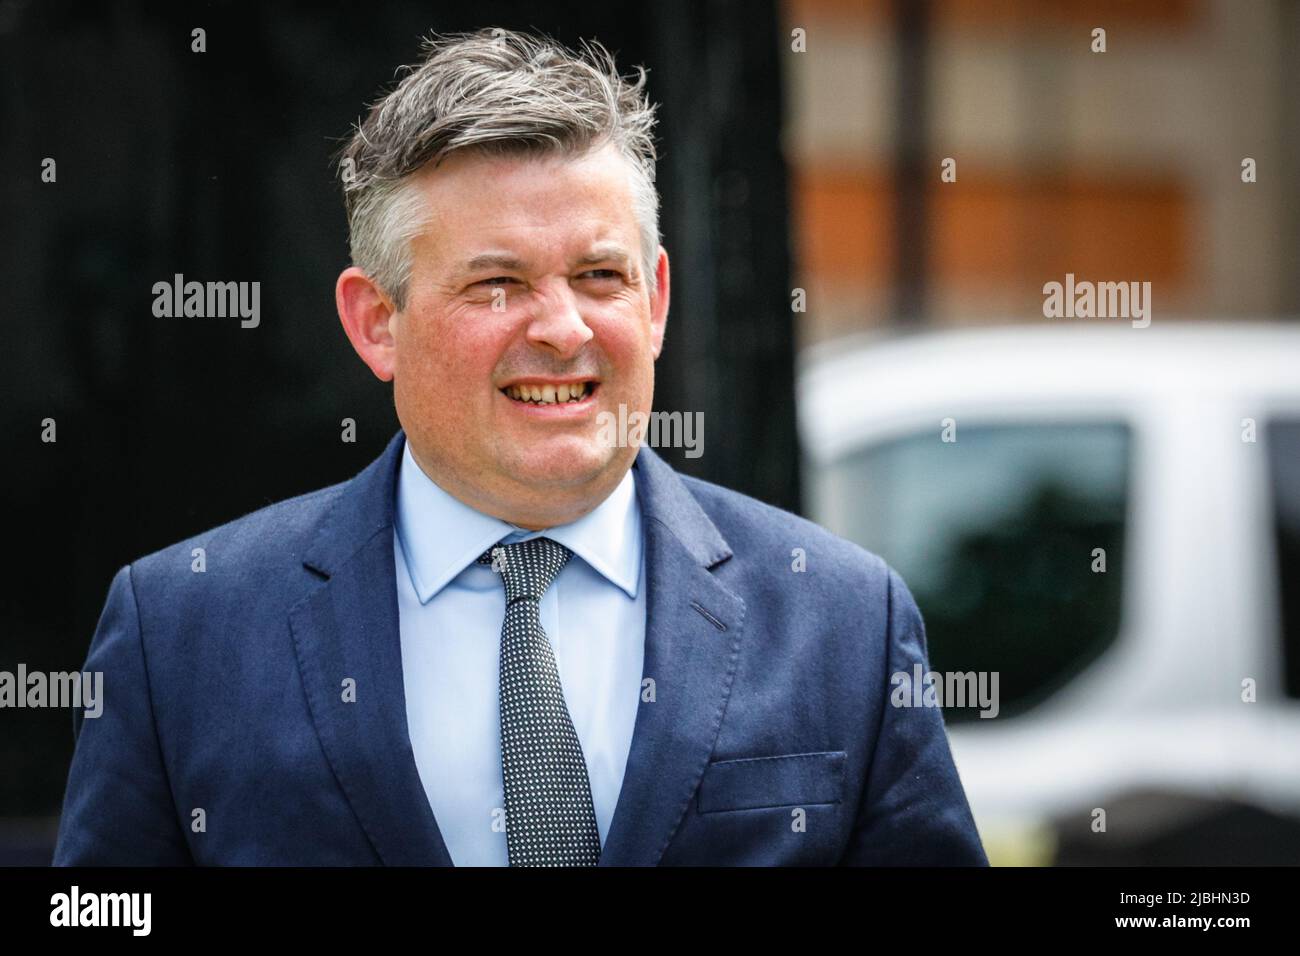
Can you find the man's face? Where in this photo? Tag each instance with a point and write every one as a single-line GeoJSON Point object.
{"type": "Point", "coordinates": [527, 281]}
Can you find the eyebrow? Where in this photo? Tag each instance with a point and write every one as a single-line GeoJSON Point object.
{"type": "Point", "coordinates": [494, 260]}
{"type": "Point", "coordinates": [504, 260]}
{"type": "Point", "coordinates": [605, 253]}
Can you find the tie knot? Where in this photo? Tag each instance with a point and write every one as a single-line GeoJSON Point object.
{"type": "Point", "coordinates": [526, 567]}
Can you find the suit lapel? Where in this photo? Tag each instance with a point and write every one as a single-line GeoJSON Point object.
{"type": "Point", "coordinates": [692, 649]}
{"type": "Point", "coordinates": [347, 627]}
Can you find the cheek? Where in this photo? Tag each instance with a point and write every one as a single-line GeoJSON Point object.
{"type": "Point", "coordinates": [629, 348]}
{"type": "Point", "coordinates": [453, 349]}
{"type": "Point", "coordinates": [623, 334]}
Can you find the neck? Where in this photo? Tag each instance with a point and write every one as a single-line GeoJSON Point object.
{"type": "Point", "coordinates": [534, 509]}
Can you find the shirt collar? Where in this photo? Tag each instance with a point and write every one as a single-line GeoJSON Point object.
{"type": "Point", "coordinates": [441, 535]}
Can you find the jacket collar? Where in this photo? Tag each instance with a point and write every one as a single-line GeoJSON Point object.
{"type": "Point", "coordinates": [346, 627]}
{"type": "Point", "coordinates": [441, 535]}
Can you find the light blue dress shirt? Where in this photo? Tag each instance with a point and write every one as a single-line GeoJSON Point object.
{"type": "Point", "coordinates": [451, 610]}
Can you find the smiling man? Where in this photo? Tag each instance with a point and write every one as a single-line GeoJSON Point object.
{"type": "Point", "coordinates": [528, 311]}
{"type": "Point", "coordinates": [508, 641]}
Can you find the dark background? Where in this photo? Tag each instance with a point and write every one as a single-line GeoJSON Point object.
{"type": "Point", "coordinates": [217, 165]}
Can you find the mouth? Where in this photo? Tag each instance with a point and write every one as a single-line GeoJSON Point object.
{"type": "Point", "coordinates": [540, 393]}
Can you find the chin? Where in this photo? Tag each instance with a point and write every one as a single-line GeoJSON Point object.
{"type": "Point", "coordinates": [566, 464]}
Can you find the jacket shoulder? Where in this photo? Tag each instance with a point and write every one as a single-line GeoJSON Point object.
{"type": "Point", "coordinates": [261, 538]}
{"type": "Point", "coordinates": [751, 525]}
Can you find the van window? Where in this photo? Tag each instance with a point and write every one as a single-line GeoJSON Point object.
{"type": "Point", "coordinates": [1283, 439]}
{"type": "Point", "coordinates": [1001, 536]}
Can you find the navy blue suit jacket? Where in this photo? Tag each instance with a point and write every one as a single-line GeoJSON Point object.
{"type": "Point", "coordinates": [770, 738]}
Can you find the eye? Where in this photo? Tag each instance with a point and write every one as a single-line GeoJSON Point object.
{"type": "Point", "coordinates": [495, 280]}
{"type": "Point", "coordinates": [602, 274]}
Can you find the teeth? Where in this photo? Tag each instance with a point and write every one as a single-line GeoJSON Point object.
{"type": "Point", "coordinates": [548, 394]}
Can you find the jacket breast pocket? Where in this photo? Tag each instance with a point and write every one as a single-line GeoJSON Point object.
{"type": "Point", "coordinates": [786, 780]}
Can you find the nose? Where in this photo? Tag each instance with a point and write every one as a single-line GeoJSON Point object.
{"type": "Point", "coordinates": [556, 322]}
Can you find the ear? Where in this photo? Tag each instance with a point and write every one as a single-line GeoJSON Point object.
{"type": "Point", "coordinates": [659, 304]}
{"type": "Point", "coordinates": [366, 313]}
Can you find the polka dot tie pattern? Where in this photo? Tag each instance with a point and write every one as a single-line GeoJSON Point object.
{"type": "Point", "coordinates": [550, 820]}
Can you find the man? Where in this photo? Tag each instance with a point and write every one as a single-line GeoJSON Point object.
{"type": "Point", "coordinates": [510, 640]}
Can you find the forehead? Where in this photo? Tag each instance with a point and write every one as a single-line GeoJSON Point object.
{"type": "Point", "coordinates": [474, 198]}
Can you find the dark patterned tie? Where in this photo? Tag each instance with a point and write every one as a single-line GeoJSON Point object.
{"type": "Point", "coordinates": [550, 820]}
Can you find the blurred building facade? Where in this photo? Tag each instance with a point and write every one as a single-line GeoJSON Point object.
{"type": "Point", "coordinates": [1123, 165]}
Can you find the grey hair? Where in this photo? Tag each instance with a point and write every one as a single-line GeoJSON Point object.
{"type": "Point", "coordinates": [498, 92]}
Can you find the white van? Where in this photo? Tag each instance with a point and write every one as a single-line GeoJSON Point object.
{"type": "Point", "coordinates": [1109, 518]}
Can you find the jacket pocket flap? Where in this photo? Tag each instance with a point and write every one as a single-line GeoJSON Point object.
{"type": "Point", "coordinates": [785, 780]}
